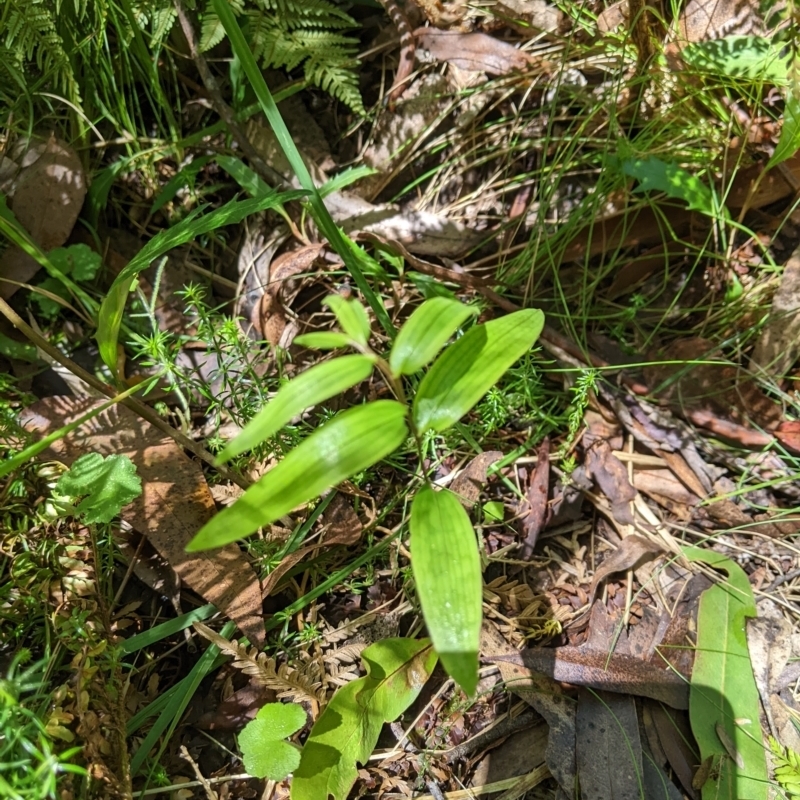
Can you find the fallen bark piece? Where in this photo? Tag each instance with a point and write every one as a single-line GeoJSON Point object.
{"type": "Point", "coordinates": [175, 501]}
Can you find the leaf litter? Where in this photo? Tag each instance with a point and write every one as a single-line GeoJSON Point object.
{"type": "Point", "coordinates": [587, 553]}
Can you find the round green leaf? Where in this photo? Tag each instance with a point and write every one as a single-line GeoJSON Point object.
{"type": "Point", "coordinates": [264, 752]}
{"type": "Point", "coordinates": [471, 366]}
{"type": "Point", "coordinates": [352, 441]}
{"type": "Point", "coordinates": [425, 333]}
{"type": "Point", "coordinates": [307, 389]}
{"type": "Point", "coordinates": [447, 572]}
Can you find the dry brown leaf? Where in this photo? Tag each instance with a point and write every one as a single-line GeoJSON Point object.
{"type": "Point", "coordinates": [175, 501]}
{"type": "Point", "coordinates": [633, 551]}
{"type": "Point", "coordinates": [48, 195]}
{"type": "Point", "coordinates": [476, 52]}
{"type": "Point", "coordinates": [469, 483]}
{"type": "Point", "coordinates": [536, 500]}
{"type": "Point", "coordinates": [778, 344]}
{"type": "Point", "coordinates": [270, 319]}
{"type": "Point", "coordinates": [611, 476]}
{"type": "Point", "coordinates": [546, 696]}
{"type": "Point", "coordinates": [344, 529]}
{"type": "Point", "coordinates": [609, 750]}
{"type": "Point", "coordinates": [233, 713]}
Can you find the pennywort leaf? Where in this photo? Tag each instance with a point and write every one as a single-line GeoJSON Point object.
{"type": "Point", "coordinates": [264, 752]}
{"type": "Point", "coordinates": [471, 366]}
{"type": "Point", "coordinates": [426, 332]}
{"type": "Point", "coordinates": [447, 572]}
{"type": "Point", "coordinates": [105, 484]}
{"type": "Point", "coordinates": [309, 388]}
{"type": "Point", "coordinates": [723, 698]}
{"type": "Point", "coordinates": [352, 441]}
{"type": "Point", "coordinates": [351, 315]}
{"type": "Point", "coordinates": [347, 731]}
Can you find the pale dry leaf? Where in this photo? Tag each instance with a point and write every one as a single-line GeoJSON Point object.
{"type": "Point", "coordinates": [476, 52]}
{"type": "Point", "coordinates": [47, 198]}
{"type": "Point", "coordinates": [778, 344]}
{"type": "Point", "coordinates": [469, 483]}
{"type": "Point", "coordinates": [175, 501]}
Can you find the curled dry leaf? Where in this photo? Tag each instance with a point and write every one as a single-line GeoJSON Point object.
{"type": "Point", "coordinates": [342, 527]}
{"type": "Point", "coordinates": [175, 501]}
{"type": "Point", "coordinates": [47, 197]}
{"type": "Point", "coordinates": [269, 316]}
{"type": "Point", "coordinates": [469, 483]}
{"type": "Point", "coordinates": [633, 551]}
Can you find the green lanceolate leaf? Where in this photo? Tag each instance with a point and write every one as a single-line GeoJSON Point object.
{"type": "Point", "coordinates": [306, 390]}
{"type": "Point", "coordinates": [664, 176]}
{"type": "Point", "coordinates": [197, 224]}
{"type": "Point", "coordinates": [471, 366]}
{"type": "Point", "coordinates": [264, 752]}
{"type": "Point", "coordinates": [347, 731]}
{"type": "Point", "coordinates": [789, 141]}
{"type": "Point", "coordinates": [351, 315]}
{"type": "Point", "coordinates": [425, 333]}
{"type": "Point", "coordinates": [352, 441]}
{"type": "Point", "coordinates": [324, 340]}
{"type": "Point", "coordinates": [447, 572]}
{"type": "Point", "coordinates": [723, 698]}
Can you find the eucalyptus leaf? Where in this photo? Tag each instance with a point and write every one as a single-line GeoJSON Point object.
{"type": "Point", "coordinates": [426, 332]}
{"type": "Point", "coordinates": [447, 572]}
{"type": "Point", "coordinates": [352, 441]}
{"type": "Point", "coordinates": [347, 731]}
{"type": "Point", "coordinates": [324, 340]}
{"type": "Point", "coordinates": [724, 706]}
{"type": "Point", "coordinates": [309, 388]}
{"type": "Point", "coordinates": [351, 315]}
{"type": "Point", "coordinates": [471, 366]}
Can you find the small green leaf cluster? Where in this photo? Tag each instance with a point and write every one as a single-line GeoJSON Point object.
{"type": "Point", "coordinates": [105, 484]}
{"type": "Point", "coordinates": [79, 262]}
{"type": "Point", "coordinates": [354, 440]}
{"type": "Point", "coordinates": [31, 763]}
{"type": "Point", "coordinates": [348, 728]}
{"type": "Point", "coordinates": [787, 769]}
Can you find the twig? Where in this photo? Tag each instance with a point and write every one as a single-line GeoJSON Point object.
{"type": "Point", "coordinates": [134, 404]}
{"type": "Point", "coordinates": [269, 174]}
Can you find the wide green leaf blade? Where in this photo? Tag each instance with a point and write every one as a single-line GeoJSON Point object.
{"type": "Point", "coordinates": [471, 366]}
{"type": "Point", "coordinates": [196, 224]}
{"type": "Point", "coordinates": [351, 315]}
{"type": "Point", "coordinates": [789, 141]}
{"type": "Point", "coordinates": [723, 697]}
{"type": "Point", "coordinates": [447, 572]}
{"type": "Point", "coordinates": [425, 333]}
{"type": "Point", "coordinates": [352, 441]}
{"type": "Point", "coordinates": [347, 731]}
{"type": "Point", "coordinates": [307, 389]}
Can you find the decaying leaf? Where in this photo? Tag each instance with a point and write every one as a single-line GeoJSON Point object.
{"type": "Point", "coordinates": [175, 500]}
{"type": "Point", "coordinates": [47, 197]}
{"type": "Point", "coordinates": [778, 344]}
{"type": "Point", "coordinates": [632, 552]}
{"type": "Point", "coordinates": [609, 750]}
{"type": "Point", "coordinates": [476, 52]}
{"type": "Point", "coordinates": [535, 503]}
{"type": "Point", "coordinates": [469, 483]}
{"type": "Point", "coordinates": [611, 476]}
